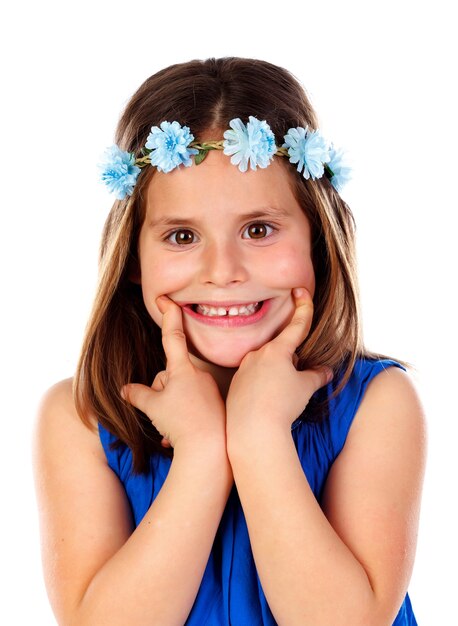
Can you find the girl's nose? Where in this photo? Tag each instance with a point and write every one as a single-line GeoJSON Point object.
{"type": "Point", "coordinates": [222, 264]}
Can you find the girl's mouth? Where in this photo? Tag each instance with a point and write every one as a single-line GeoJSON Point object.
{"type": "Point", "coordinates": [221, 311]}
{"type": "Point", "coordinates": [228, 316]}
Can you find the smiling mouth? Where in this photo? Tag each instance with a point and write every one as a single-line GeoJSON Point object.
{"type": "Point", "coordinates": [234, 310]}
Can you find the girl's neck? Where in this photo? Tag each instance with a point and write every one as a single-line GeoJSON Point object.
{"type": "Point", "coordinates": [222, 375]}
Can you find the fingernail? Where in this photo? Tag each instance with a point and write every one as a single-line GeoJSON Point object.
{"type": "Point", "coordinates": [124, 392]}
{"type": "Point", "coordinates": [298, 292]}
{"type": "Point", "coordinates": [160, 301]}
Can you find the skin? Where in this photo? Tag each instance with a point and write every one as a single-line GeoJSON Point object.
{"type": "Point", "coordinates": [269, 374]}
{"type": "Point", "coordinates": [220, 258]}
{"type": "Point", "coordinates": [357, 546]}
{"type": "Point", "coordinates": [222, 262]}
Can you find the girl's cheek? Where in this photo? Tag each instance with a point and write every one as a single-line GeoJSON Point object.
{"type": "Point", "coordinates": [167, 279]}
{"type": "Point", "coordinates": [292, 268]}
{"type": "Point", "coordinates": [173, 276]}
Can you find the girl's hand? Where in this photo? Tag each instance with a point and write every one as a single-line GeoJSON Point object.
{"type": "Point", "coordinates": [267, 391]}
{"type": "Point", "coordinates": [183, 402]}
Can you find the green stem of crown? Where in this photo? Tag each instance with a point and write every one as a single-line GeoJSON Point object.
{"type": "Point", "coordinates": [207, 145]}
{"type": "Point", "coordinates": [143, 161]}
{"type": "Point", "coordinates": [204, 147]}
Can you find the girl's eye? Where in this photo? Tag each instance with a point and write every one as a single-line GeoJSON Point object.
{"type": "Point", "coordinates": [184, 236]}
{"type": "Point", "coordinates": [258, 231]}
{"type": "Point", "coordinates": [181, 237]}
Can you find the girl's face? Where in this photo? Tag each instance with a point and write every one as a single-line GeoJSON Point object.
{"type": "Point", "coordinates": [219, 238]}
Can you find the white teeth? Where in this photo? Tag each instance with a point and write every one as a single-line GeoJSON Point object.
{"type": "Point", "coordinates": [211, 311]}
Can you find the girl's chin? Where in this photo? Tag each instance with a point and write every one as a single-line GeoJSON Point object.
{"type": "Point", "coordinates": [229, 359]}
{"type": "Point", "coordinates": [226, 361]}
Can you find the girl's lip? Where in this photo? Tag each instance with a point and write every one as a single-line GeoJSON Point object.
{"type": "Point", "coordinates": [222, 303]}
{"type": "Point", "coordinates": [229, 321]}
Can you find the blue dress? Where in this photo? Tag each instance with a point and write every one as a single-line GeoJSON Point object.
{"type": "Point", "coordinates": [230, 592]}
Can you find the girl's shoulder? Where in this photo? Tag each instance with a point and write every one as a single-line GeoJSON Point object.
{"type": "Point", "coordinates": [58, 425]}
{"type": "Point", "coordinates": [390, 396]}
{"type": "Point", "coordinates": [376, 386]}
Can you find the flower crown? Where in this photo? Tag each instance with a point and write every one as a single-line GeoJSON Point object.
{"type": "Point", "coordinates": [171, 145]}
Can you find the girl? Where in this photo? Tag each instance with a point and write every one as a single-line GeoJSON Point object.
{"type": "Point", "coordinates": [272, 471]}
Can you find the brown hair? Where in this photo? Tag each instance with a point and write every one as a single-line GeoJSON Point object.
{"type": "Point", "coordinates": [122, 343]}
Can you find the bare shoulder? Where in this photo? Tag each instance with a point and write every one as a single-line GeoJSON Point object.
{"type": "Point", "coordinates": [57, 417]}
{"type": "Point", "coordinates": [83, 509]}
{"type": "Point", "coordinates": [373, 491]}
{"type": "Point", "coordinates": [391, 398]}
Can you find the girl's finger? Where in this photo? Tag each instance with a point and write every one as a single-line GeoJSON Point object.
{"type": "Point", "coordinates": [140, 396]}
{"type": "Point", "coordinates": [159, 381]}
{"type": "Point", "coordinates": [318, 377]}
{"type": "Point", "coordinates": [173, 337]}
{"type": "Point", "coordinates": [298, 328]}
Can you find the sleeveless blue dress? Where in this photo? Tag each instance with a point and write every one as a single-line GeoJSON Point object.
{"type": "Point", "coordinates": [230, 592]}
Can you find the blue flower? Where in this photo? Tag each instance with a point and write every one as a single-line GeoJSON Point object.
{"type": "Point", "coordinates": [308, 149]}
{"type": "Point", "coordinates": [254, 143]}
{"type": "Point", "coordinates": [169, 146]}
{"type": "Point", "coordinates": [119, 171]}
{"type": "Point", "coordinates": [341, 171]}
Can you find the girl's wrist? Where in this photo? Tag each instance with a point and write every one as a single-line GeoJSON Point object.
{"type": "Point", "coordinates": [209, 453]}
{"type": "Point", "coordinates": [242, 436]}
{"type": "Point", "coordinates": [211, 444]}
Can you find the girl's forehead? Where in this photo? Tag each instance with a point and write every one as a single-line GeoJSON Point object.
{"type": "Point", "coordinates": [210, 197]}
{"type": "Point", "coordinates": [217, 180]}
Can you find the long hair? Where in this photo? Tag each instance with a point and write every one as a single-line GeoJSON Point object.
{"type": "Point", "coordinates": [122, 343]}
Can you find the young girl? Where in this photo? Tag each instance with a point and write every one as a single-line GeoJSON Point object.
{"type": "Point", "coordinates": [228, 452]}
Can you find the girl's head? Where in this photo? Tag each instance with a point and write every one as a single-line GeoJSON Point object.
{"type": "Point", "coordinates": [210, 234]}
{"type": "Point", "coordinates": [214, 237]}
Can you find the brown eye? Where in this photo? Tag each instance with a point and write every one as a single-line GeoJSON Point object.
{"type": "Point", "coordinates": [258, 231]}
{"type": "Point", "coordinates": [183, 236]}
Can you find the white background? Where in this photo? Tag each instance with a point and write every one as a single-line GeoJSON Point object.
{"type": "Point", "coordinates": [382, 76]}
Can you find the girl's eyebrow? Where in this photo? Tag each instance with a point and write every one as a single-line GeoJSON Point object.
{"type": "Point", "coordinates": [272, 212]}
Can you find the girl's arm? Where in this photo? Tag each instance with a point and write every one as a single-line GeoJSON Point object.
{"type": "Point", "coordinates": [98, 569]}
{"type": "Point", "coordinates": [350, 561]}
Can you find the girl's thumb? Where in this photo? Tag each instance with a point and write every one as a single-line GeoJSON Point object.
{"type": "Point", "coordinates": [326, 375]}
{"type": "Point", "coordinates": [318, 377]}
{"type": "Point", "coordinates": [140, 396]}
